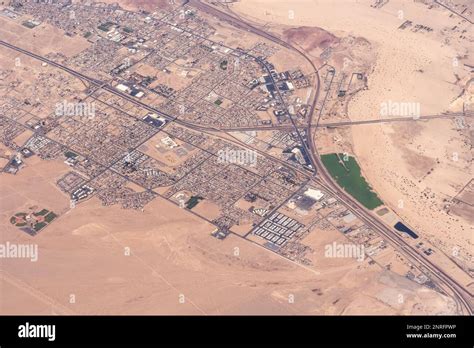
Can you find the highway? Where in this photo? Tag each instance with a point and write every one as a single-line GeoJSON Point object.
{"type": "Point", "coordinates": [321, 176]}
{"type": "Point", "coordinates": [105, 86]}
{"type": "Point", "coordinates": [453, 11]}
{"type": "Point", "coordinates": [461, 295]}
{"type": "Point", "coordinates": [348, 123]}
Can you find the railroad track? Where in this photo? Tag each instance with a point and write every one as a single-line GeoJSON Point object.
{"type": "Point", "coordinates": [462, 296]}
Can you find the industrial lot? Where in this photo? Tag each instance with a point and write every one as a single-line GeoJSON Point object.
{"type": "Point", "coordinates": [233, 89]}
{"type": "Point", "coordinates": [169, 107]}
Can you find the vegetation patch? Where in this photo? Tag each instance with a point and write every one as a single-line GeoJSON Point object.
{"type": "Point", "coordinates": [193, 201]}
{"type": "Point", "coordinates": [29, 24]}
{"type": "Point", "coordinates": [34, 220]}
{"type": "Point", "coordinates": [50, 217]}
{"type": "Point", "coordinates": [223, 65]}
{"type": "Point", "coordinates": [41, 213]}
{"type": "Point", "coordinates": [39, 226]}
{"type": "Point", "coordinates": [346, 172]}
{"type": "Point", "coordinates": [70, 154]}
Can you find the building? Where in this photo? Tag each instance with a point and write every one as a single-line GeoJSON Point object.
{"type": "Point", "coordinates": [314, 194]}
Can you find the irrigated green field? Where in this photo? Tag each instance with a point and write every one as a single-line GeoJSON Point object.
{"type": "Point", "coordinates": [348, 176]}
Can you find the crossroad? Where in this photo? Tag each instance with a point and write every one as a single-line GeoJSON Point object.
{"type": "Point", "coordinates": [460, 294]}
{"type": "Point", "coordinates": [320, 175]}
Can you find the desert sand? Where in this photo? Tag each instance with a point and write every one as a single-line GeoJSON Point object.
{"type": "Point", "coordinates": [421, 67]}
{"type": "Point", "coordinates": [107, 260]}
{"type": "Point", "coordinates": [163, 260]}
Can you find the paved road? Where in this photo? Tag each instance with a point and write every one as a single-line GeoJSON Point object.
{"type": "Point", "coordinates": [453, 11]}
{"type": "Point", "coordinates": [323, 178]}
{"type": "Point", "coordinates": [288, 127]}
{"type": "Point", "coordinates": [461, 295]}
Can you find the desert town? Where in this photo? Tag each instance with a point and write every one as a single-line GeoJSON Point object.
{"type": "Point", "coordinates": [186, 108]}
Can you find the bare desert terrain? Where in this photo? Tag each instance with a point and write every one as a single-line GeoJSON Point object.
{"type": "Point", "coordinates": [416, 168]}
{"type": "Point", "coordinates": [106, 260]}
{"type": "Point", "coordinates": [108, 254]}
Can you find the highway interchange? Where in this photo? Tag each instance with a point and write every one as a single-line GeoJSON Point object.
{"type": "Point", "coordinates": [462, 296]}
